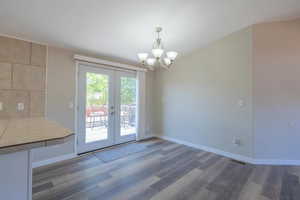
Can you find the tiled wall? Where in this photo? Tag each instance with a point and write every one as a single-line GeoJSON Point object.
{"type": "Point", "coordinates": [22, 78]}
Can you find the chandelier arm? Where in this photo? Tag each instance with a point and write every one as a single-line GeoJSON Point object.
{"type": "Point", "coordinates": [151, 68]}
{"type": "Point", "coordinates": [163, 65]}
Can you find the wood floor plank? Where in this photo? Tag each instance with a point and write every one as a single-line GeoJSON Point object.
{"type": "Point", "coordinates": [61, 193]}
{"type": "Point", "coordinates": [272, 185]}
{"type": "Point", "coordinates": [203, 193]}
{"type": "Point", "coordinates": [174, 191]}
{"type": "Point", "coordinates": [69, 169]}
{"type": "Point", "coordinates": [175, 175]}
{"type": "Point", "coordinates": [260, 174]}
{"type": "Point", "coordinates": [63, 164]}
{"type": "Point", "coordinates": [198, 188]}
{"type": "Point", "coordinates": [109, 191]}
{"type": "Point", "coordinates": [106, 167]}
{"type": "Point", "coordinates": [170, 165]}
{"type": "Point", "coordinates": [133, 192]}
{"type": "Point", "coordinates": [174, 148]}
{"type": "Point", "coordinates": [290, 189]}
{"type": "Point", "coordinates": [42, 187]}
{"type": "Point", "coordinates": [250, 191]}
{"type": "Point", "coordinates": [131, 170]}
{"type": "Point", "coordinates": [240, 181]}
{"type": "Point", "coordinates": [212, 160]}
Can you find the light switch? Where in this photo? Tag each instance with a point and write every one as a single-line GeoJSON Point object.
{"type": "Point", "coordinates": [1, 106]}
{"type": "Point", "coordinates": [71, 105]}
{"type": "Point", "coordinates": [241, 103]}
{"type": "Point", "coordinates": [20, 106]}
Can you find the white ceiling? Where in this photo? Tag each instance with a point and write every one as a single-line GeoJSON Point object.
{"type": "Point", "coordinates": [122, 28]}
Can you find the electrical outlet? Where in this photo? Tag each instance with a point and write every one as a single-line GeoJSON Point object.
{"type": "Point", "coordinates": [236, 142]}
{"type": "Point", "coordinates": [292, 124]}
{"type": "Point", "coordinates": [20, 106]}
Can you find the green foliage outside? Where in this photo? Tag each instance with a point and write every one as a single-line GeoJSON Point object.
{"type": "Point", "coordinates": [128, 91]}
{"type": "Point", "coordinates": [97, 90]}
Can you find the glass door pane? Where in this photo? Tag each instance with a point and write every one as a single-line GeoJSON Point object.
{"type": "Point", "coordinates": [95, 108]}
{"type": "Point", "coordinates": [96, 117]}
{"type": "Point", "coordinates": [127, 106]}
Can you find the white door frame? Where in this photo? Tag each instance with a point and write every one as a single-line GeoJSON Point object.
{"type": "Point", "coordinates": [77, 103]}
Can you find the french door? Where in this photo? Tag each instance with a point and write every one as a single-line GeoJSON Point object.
{"type": "Point", "coordinates": [106, 107]}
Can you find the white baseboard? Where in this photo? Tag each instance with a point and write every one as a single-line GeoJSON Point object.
{"type": "Point", "coordinates": [148, 137]}
{"type": "Point", "coordinates": [277, 162]}
{"type": "Point", "coordinates": [232, 155]}
{"type": "Point", "coordinates": [210, 149]}
{"type": "Point", "coordinates": [53, 160]}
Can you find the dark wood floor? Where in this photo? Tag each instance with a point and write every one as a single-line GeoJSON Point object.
{"type": "Point", "coordinates": [165, 171]}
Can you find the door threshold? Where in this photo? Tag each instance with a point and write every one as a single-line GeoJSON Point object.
{"type": "Point", "coordinates": [106, 148]}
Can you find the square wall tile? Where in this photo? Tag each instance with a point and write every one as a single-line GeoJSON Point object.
{"type": "Point", "coordinates": [5, 75]}
{"type": "Point", "coordinates": [27, 77]}
{"type": "Point", "coordinates": [38, 55]}
{"type": "Point", "coordinates": [14, 51]}
{"type": "Point", "coordinates": [21, 52]}
{"type": "Point", "coordinates": [6, 49]}
{"type": "Point", "coordinates": [37, 104]}
{"type": "Point", "coordinates": [10, 100]}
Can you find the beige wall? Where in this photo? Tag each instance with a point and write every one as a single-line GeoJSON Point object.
{"type": "Point", "coordinates": [60, 93]}
{"type": "Point", "coordinates": [22, 78]}
{"type": "Point", "coordinates": [197, 101]}
{"type": "Point", "coordinates": [276, 90]}
{"type": "Point", "coordinates": [61, 86]}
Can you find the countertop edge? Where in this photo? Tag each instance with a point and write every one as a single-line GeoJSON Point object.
{"type": "Point", "coordinates": [37, 141]}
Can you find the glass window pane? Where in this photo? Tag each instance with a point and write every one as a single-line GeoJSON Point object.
{"type": "Point", "coordinates": [128, 106]}
{"type": "Point", "coordinates": [96, 107]}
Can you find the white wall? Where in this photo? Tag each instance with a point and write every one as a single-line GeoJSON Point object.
{"type": "Point", "coordinates": [197, 100]}
{"type": "Point", "coordinates": [276, 48]}
{"type": "Point", "coordinates": [61, 91]}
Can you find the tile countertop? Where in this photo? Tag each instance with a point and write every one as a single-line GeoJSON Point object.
{"type": "Point", "coordinates": [29, 131]}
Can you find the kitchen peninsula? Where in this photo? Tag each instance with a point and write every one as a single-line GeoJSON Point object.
{"type": "Point", "coordinates": [17, 138]}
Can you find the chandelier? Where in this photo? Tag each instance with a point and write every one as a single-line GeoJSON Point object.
{"type": "Point", "coordinates": [158, 54]}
